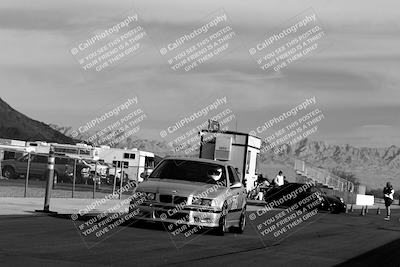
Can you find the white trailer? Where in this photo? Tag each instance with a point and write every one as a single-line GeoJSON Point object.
{"type": "Point", "coordinates": [133, 161]}
{"type": "Point", "coordinates": [241, 149]}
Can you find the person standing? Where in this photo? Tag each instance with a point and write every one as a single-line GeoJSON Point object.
{"type": "Point", "coordinates": [279, 180]}
{"type": "Point", "coordinates": [388, 193]}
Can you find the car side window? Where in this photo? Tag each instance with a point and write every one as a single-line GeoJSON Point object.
{"type": "Point", "coordinates": [233, 177]}
{"type": "Point", "coordinates": [40, 159]}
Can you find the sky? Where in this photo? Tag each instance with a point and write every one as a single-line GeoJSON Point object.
{"type": "Point", "coordinates": [354, 74]}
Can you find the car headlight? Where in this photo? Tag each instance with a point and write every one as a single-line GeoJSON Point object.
{"type": "Point", "coordinates": [151, 196]}
{"type": "Point", "coordinates": [206, 202]}
{"type": "Point", "coordinates": [341, 199]}
{"type": "Point", "coordinates": [144, 195]}
{"type": "Point", "coordinates": [201, 201]}
{"type": "Point", "coordinates": [196, 201]}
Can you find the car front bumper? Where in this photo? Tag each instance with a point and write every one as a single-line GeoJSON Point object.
{"type": "Point", "coordinates": [170, 214]}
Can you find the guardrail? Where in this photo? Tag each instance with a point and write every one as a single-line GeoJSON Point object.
{"type": "Point", "coordinates": [323, 176]}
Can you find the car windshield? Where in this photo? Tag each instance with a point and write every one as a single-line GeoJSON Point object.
{"type": "Point", "coordinates": [192, 171]}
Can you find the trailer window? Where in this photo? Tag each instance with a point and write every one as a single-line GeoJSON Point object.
{"type": "Point", "coordinates": [129, 156]}
{"type": "Point", "coordinates": [117, 164]}
{"type": "Point", "coordinates": [248, 162]}
{"type": "Point", "coordinates": [149, 162]}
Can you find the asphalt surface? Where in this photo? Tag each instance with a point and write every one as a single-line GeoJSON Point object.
{"type": "Point", "coordinates": [324, 240]}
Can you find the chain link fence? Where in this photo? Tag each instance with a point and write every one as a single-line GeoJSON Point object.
{"type": "Point", "coordinates": [25, 174]}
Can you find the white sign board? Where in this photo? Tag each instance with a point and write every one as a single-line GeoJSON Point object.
{"type": "Point", "coordinates": [365, 200]}
{"type": "Point", "coordinates": [223, 147]}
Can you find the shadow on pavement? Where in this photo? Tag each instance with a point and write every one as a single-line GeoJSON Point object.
{"type": "Point", "coordinates": [387, 255]}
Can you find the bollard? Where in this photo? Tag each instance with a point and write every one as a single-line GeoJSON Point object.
{"type": "Point", "coordinates": [378, 211]}
{"type": "Point", "coordinates": [49, 184]}
{"type": "Point", "coordinates": [362, 211]}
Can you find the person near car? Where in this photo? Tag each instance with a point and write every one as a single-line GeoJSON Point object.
{"type": "Point", "coordinates": [388, 193]}
{"type": "Point", "coordinates": [261, 183]}
{"type": "Point", "coordinates": [279, 180]}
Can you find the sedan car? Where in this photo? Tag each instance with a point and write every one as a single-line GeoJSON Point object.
{"type": "Point", "coordinates": [285, 192]}
{"type": "Point", "coordinates": [196, 192]}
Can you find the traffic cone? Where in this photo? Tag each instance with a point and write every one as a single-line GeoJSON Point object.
{"type": "Point", "coordinates": [378, 211]}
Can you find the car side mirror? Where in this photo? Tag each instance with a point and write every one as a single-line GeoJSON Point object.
{"type": "Point", "coordinates": [144, 175]}
{"type": "Point", "coordinates": [236, 185]}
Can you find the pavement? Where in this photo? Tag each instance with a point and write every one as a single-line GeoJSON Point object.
{"type": "Point", "coordinates": [27, 206]}
{"type": "Point", "coordinates": [327, 240]}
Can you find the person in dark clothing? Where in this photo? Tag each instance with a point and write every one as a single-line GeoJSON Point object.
{"type": "Point", "coordinates": [388, 193]}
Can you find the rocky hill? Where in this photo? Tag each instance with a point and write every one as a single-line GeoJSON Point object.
{"type": "Point", "coordinates": [15, 125]}
{"type": "Point", "coordinates": [371, 166]}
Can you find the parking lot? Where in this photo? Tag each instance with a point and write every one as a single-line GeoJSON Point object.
{"type": "Point", "coordinates": [331, 239]}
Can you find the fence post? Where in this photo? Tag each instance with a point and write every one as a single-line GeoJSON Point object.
{"type": "Point", "coordinates": [115, 177]}
{"type": "Point", "coordinates": [94, 179]}
{"type": "Point", "coordinates": [1, 158]}
{"type": "Point", "coordinates": [121, 177]}
{"type": "Point", "coordinates": [27, 174]}
{"type": "Point", "coordinates": [74, 179]}
{"type": "Point", "coordinates": [49, 184]}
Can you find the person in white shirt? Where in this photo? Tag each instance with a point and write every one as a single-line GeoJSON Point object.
{"type": "Point", "coordinates": [388, 193]}
{"type": "Point", "coordinates": [279, 180]}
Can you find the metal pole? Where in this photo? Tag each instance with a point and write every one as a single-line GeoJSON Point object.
{"type": "Point", "coordinates": [74, 179]}
{"type": "Point", "coordinates": [1, 158]}
{"type": "Point", "coordinates": [50, 168]}
{"type": "Point", "coordinates": [94, 180]}
{"type": "Point", "coordinates": [27, 174]}
{"type": "Point", "coordinates": [120, 180]}
{"type": "Point", "coordinates": [115, 178]}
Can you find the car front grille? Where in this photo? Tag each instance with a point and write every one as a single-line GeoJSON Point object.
{"type": "Point", "coordinates": [166, 198]}
{"type": "Point", "coordinates": [184, 217]}
{"type": "Point", "coordinates": [180, 200]}
{"type": "Point", "coordinates": [176, 200]}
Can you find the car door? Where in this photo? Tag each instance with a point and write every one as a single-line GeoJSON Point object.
{"type": "Point", "coordinates": [236, 195]}
{"type": "Point", "coordinates": [38, 165]}
{"type": "Point", "coordinates": [21, 164]}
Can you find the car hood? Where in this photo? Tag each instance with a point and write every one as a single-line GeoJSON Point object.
{"type": "Point", "coordinates": [181, 188]}
{"type": "Point", "coordinates": [332, 199]}
{"type": "Point", "coordinates": [8, 160]}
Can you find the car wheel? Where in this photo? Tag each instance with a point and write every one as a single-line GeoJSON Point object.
{"type": "Point", "coordinates": [8, 172]}
{"type": "Point", "coordinates": [221, 229]}
{"type": "Point", "coordinates": [242, 222]}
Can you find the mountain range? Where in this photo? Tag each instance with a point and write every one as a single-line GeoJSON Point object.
{"type": "Point", "coordinates": [371, 166]}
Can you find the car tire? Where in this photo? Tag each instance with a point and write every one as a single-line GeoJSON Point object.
{"type": "Point", "coordinates": [242, 223]}
{"type": "Point", "coordinates": [8, 172]}
{"type": "Point", "coordinates": [222, 228]}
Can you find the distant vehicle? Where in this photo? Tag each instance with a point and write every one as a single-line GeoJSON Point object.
{"type": "Point", "coordinates": [133, 162]}
{"type": "Point", "coordinates": [13, 168]}
{"type": "Point", "coordinates": [203, 192]}
{"type": "Point", "coordinates": [327, 203]}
